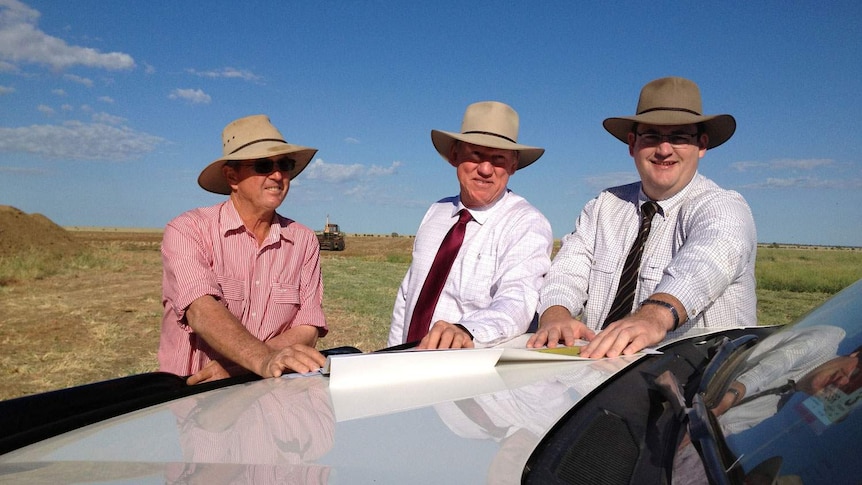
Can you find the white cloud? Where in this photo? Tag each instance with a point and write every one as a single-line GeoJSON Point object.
{"type": "Point", "coordinates": [194, 96]}
{"type": "Point", "coordinates": [611, 179]}
{"type": "Point", "coordinates": [226, 72]}
{"type": "Point", "coordinates": [44, 109]}
{"type": "Point", "coordinates": [806, 183]}
{"type": "Point", "coordinates": [22, 41]}
{"type": "Point", "coordinates": [106, 99]}
{"type": "Point", "coordinates": [8, 67]}
{"type": "Point", "coordinates": [80, 80]}
{"type": "Point", "coordinates": [75, 140]}
{"type": "Point", "coordinates": [337, 173]}
{"type": "Point", "coordinates": [67, 107]}
{"type": "Point", "coordinates": [351, 140]}
{"type": "Point", "coordinates": [58, 92]}
{"type": "Point", "coordinates": [783, 164]}
{"type": "Point", "coordinates": [108, 119]}
{"type": "Point", "coordinates": [6, 90]}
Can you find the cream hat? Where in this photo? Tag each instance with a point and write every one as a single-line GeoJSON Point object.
{"type": "Point", "coordinates": [251, 138]}
{"type": "Point", "coordinates": [673, 101]}
{"type": "Point", "coordinates": [489, 124]}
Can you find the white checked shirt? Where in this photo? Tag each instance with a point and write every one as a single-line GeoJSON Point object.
{"type": "Point", "coordinates": [701, 250]}
{"type": "Point", "coordinates": [493, 287]}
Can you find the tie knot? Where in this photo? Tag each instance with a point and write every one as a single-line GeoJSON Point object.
{"type": "Point", "coordinates": [464, 216]}
{"type": "Point", "coordinates": [648, 209]}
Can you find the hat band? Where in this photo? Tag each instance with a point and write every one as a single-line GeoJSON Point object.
{"type": "Point", "coordinates": [256, 141]}
{"type": "Point", "coordinates": [489, 133]}
{"type": "Point", "coordinates": [670, 109]}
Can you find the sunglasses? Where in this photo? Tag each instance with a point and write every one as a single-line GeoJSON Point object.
{"type": "Point", "coordinates": [266, 166]}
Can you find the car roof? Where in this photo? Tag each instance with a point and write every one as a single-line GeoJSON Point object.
{"type": "Point", "coordinates": [463, 429]}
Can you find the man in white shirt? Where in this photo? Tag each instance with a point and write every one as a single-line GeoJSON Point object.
{"type": "Point", "coordinates": [697, 263]}
{"type": "Point", "coordinates": [492, 289]}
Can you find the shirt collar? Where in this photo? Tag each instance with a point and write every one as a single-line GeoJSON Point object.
{"type": "Point", "coordinates": [231, 223]}
{"type": "Point", "coordinates": [670, 203]}
{"type": "Point", "coordinates": [482, 214]}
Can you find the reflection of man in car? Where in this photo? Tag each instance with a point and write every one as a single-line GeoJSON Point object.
{"type": "Point", "coordinates": [787, 361]}
{"type": "Point", "coordinates": [280, 425]}
{"type": "Point", "coordinates": [517, 419]}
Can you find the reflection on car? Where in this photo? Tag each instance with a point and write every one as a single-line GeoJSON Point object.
{"type": "Point", "coordinates": [743, 405]}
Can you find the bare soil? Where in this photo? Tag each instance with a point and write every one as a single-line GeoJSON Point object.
{"type": "Point", "coordinates": [94, 323]}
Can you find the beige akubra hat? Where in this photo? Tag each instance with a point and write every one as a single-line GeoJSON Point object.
{"type": "Point", "coordinates": [251, 138]}
{"type": "Point", "coordinates": [489, 124]}
{"type": "Point", "coordinates": [673, 101]}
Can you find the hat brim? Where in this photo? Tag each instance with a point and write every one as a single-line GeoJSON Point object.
{"type": "Point", "coordinates": [212, 178]}
{"type": "Point", "coordinates": [719, 128]}
{"type": "Point", "coordinates": [443, 141]}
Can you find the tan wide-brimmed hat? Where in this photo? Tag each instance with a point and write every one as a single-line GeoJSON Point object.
{"type": "Point", "coordinates": [489, 124]}
{"type": "Point", "coordinates": [251, 138]}
{"type": "Point", "coordinates": [673, 101]}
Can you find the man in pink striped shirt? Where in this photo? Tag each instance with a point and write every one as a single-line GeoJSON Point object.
{"type": "Point", "coordinates": [241, 286]}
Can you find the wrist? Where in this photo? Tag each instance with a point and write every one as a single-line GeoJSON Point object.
{"type": "Point", "coordinates": [669, 306]}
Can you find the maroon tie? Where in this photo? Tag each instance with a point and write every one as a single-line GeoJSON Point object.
{"type": "Point", "coordinates": [625, 297]}
{"type": "Point", "coordinates": [420, 322]}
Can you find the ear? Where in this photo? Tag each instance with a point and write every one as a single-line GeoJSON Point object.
{"type": "Point", "coordinates": [230, 174]}
{"type": "Point", "coordinates": [453, 151]}
{"type": "Point", "coordinates": [631, 142]}
{"type": "Point", "coordinates": [703, 142]}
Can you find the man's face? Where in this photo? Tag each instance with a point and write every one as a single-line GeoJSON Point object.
{"type": "Point", "coordinates": [836, 372]}
{"type": "Point", "coordinates": [666, 157]}
{"type": "Point", "coordinates": [258, 192]}
{"type": "Point", "coordinates": [483, 172]}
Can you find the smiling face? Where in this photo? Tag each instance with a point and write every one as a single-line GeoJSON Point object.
{"type": "Point", "coordinates": [255, 193]}
{"type": "Point", "coordinates": [666, 157]}
{"type": "Point", "coordinates": [483, 172]}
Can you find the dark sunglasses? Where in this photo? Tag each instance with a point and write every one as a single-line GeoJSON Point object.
{"type": "Point", "coordinates": [266, 166]}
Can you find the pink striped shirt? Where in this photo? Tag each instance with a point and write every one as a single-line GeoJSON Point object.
{"type": "Point", "coordinates": [271, 288]}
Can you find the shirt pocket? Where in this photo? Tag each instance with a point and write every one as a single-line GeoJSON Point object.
{"type": "Point", "coordinates": [233, 293]}
{"type": "Point", "coordinates": [285, 294]}
{"type": "Point", "coordinates": [474, 276]}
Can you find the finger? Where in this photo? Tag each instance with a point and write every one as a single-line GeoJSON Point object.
{"type": "Point", "coordinates": [538, 339]}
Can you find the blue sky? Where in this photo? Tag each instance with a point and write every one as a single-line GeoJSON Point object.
{"type": "Point", "coordinates": [109, 110]}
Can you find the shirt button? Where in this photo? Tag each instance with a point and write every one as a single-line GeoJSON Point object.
{"type": "Point", "coordinates": [254, 314]}
{"type": "Point", "coordinates": [257, 283]}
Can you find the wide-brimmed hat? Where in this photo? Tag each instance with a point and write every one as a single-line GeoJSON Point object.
{"type": "Point", "coordinates": [673, 101]}
{"type": "Point", "coordinates": [251, 138]}
{"type": "Point", "coordinates": [489, 124]}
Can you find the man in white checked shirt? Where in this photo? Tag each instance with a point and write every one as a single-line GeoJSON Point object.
{"type": "Point", "coordinates": [697, 264]}
{"type": "Point", "coordinates": [241, 284]}
{"type": "Point", "coordinates": [492, 289]}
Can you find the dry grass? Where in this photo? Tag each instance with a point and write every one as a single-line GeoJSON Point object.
{"type": "Point", "coordinates": [88, 323]}
{"type": "Point", "coordinates": [98, 317]}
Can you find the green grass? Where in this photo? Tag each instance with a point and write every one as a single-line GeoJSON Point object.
{"type": "Point", "coordinates": [807, 270]}
{"type": "Point", "coordinates": [38, 265]}
{"type": "Point", "coordinates": [358, 298]}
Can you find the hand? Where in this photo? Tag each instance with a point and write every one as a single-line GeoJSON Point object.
{"type": "Point", "coordinates": [444, 335]}
{"type": "Point", "coordinates": [629, 335]}
{"type": "Point", "coordinates": [296, 357]}
{"type": "Point", "coordinates": [213, 371]}
{"type": "Point", "coordinates": [732, 396]}
{"type": "Point", "coordinates": [558, 327]}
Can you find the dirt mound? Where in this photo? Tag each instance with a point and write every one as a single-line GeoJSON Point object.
{"type": "Point", "coordinates": [22, 233]}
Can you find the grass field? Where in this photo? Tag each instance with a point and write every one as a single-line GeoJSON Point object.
{"type": "Point", "coordinates": [96, 315]}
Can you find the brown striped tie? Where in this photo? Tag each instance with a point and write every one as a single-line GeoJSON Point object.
{"type": "Point", "coordinates": [625, 297]}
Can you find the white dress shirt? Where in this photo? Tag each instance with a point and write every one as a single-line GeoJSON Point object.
{"type": "Point", "coordinates": [493, 287]}
{"type": "Point", "coordinates": [701, 249]}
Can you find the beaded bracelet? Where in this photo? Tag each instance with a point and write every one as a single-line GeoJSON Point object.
{"type": "Point", "coordinates": [667, 305]}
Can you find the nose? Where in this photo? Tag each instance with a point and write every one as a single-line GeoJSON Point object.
{"type": "Point", "coordinates": [485, 168]}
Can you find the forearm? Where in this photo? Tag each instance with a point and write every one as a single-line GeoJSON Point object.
{"type": "Point", "coordinates": [226, 335]}
{"type": "Point", "coordinates": [300, 334]}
